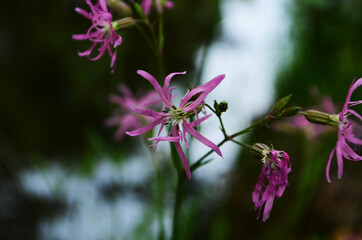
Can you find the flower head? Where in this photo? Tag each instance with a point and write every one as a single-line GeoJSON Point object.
{"type": "Point", "coordinates": [346, 130]}
{"type": "Point", "coordinates": [124, 117]}
{"type": "Point", "coordinates": [276, 167]}
{"type": "Point", "coordinates": [101, 32]}
{"type": "Point", "coordinates": [178, 117]}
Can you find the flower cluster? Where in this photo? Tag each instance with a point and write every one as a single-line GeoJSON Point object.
{"type": "Point", "coordinates": [124, 117]}
{"type": "Point", "coordinates": [191, 104]}
{"type": "Point", "coordinates": [101, 31]}
{"type": "Point", "coordinates": [346, 128]}
{"type": "Point", "coordinates": [276, 167]}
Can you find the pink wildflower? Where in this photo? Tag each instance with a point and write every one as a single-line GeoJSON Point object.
{"type": "Point", "coordinates": [345, 132]}
{"type": "Point", "coordinates": [191, 104]}
{"type": "Point", "coordinates": [124, 117]}
{"type": "Point", "coordinates": [101, 32]}
{"type": "Point", "coordinates": [147, 4]}
{"type": "Point", "coordinates": [275, 169]}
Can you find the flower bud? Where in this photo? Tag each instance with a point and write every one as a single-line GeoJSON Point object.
{"type": "Point", "coordinates": [121, 8]}
{"type": "Point", "coordinates": [123, 23]}
{"type": "Point", "coordinates": [223, 106]}
{"type": "Point", "coordinates": [280, 105]}
{"type": "Point", "coordinates": [322, 118]}
{"type": "Point", "coordinates": [290, 111]}
{"type": "Point", "coordinates": [220, 107]}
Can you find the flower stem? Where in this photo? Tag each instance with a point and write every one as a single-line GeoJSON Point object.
{"type": "Point", "coordinates": [248, 129]}
{"type": "Point", "coordinates": [220, 119]}
{"type": "Point", "coordinates": [227, 138]}
{"type": "Point", "coordinates": [177, 203]}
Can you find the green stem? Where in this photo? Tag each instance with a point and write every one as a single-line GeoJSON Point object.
{"type": "Point", "coordinates": [220, 119]}
{"type": "Point", "coordinates": [144, 35]}
{"type": "Point", "coordinates": [248, 129]}
{"type": "Point", "coordinates": [178, 202]}
{"type": "Point", "coordinates": [160, 194]}
{"type": "Point", "coordinates": [241, 144]}
{"type": "Point", "coordinates": [198, 163]}
{"type": "Point", "coordinates": [160, 47]}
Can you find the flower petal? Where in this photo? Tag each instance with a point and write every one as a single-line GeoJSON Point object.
{"type": "Point", "coordinates": [201, 138]}
{"type": "Point", "coordinates": [144, 129]}
{"type": "Point", "coordinates": [157, 87]}
{"type": "Point", "coordinates": [182, 155]}
{"type": "Point", "coordinates": [211, 85]}
{"type": "Point", "coordinates": [329, 164]}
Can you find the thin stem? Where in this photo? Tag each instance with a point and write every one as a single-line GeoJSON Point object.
{"type": "Point", "coordinates": [248, 129]}
{"type": "Point", "coordinates": [241, 144]}
{"type": "Point", "coordinates": [177, 204]}
{"type": "Point", "coordinates": [160, 193]}
{"type": "Point", "coordinates": [220, 119]}
{"type": "Point", "coordinates": [160, 47]}
{"type": "Point", "coordinates": [144, 35]}
{"type": "Point", "coordinates": [198, 163]}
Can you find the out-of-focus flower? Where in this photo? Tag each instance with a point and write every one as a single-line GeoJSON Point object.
{"type": "Point", "coordinates": [346, 132]}
{"type": "Point", "coordinates": [101, 32]}
{"type": "Point", "coordinates": [147, 4]}
{"type": "Point", "coordinates": [124, 117]}
{"type": "Point", "coordinates": [276, 167]}
{"type": "Point", "coordinates": [191, 104]}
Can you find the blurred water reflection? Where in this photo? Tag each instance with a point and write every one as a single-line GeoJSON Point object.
{"type": "Point", "coordinates": [106, 204]}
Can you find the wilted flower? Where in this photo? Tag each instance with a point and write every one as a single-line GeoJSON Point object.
{"type": "Point", "coordinates": [124, 117]}
{"type": "Point", "coordinates": [276, 167]}
{"type": "Point", "coordinates": [191, 104]}
{"type": "Point", "coordinates": [346, 130]}
{"type": "Point", "coordinates": [101, 32]}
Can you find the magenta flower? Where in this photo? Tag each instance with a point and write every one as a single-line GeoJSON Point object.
{"type": "Point", "coordinates": [124, 117]}
{"type": "Point", "coordinates": [101, 32]}
{"type": "Point", "coordinates": [147, 4]}
{"type": "Point", "coordinates": [191, 104]}
{"type": "Point", "coordinates": [275, 169]}
{"type": "Point", "coordinates": [346, 129]}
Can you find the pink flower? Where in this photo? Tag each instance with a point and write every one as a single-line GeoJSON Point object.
{"type": "Point", "coordinates": [147, 4]}
{"type": "Point", "coordinates": [275, 169]}
{"type": "Point", "coordinates": [101, 32]}
{"type": "Point", "coordinates": [124, 117]}
{"type": "Point", "coordinates": [191, 104]}
{"type": "Point", "coordinates": [346, 129]}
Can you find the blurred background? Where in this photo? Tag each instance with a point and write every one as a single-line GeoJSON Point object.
{"type": "Point", "coordinates": [63, 176]}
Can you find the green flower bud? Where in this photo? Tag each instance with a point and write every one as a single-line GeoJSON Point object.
{"type": "Point", "coordinates": [290, 111]}
{"type": "Point", "coordinates": [220, 107]}
{"type": "Point", "coordinates": [280, 105]}
{"type": "Point", "coordinates": [322, 118]}
{"type": "Point", "coordinates": [120, 7]}
{"type": "Point", "coordinates": [123, 23]}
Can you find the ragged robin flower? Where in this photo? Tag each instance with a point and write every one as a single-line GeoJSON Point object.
{"type": "Point", "coordinates": [348, 123]}
{"type": "Point", "coordinates": [124, 117]}
{"type": "Point", "coordinates": [275, 170]}
{"type": "Point", "coordinates": [178, 117]}
{"type": "Point", "coordinates": [101, 32]}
